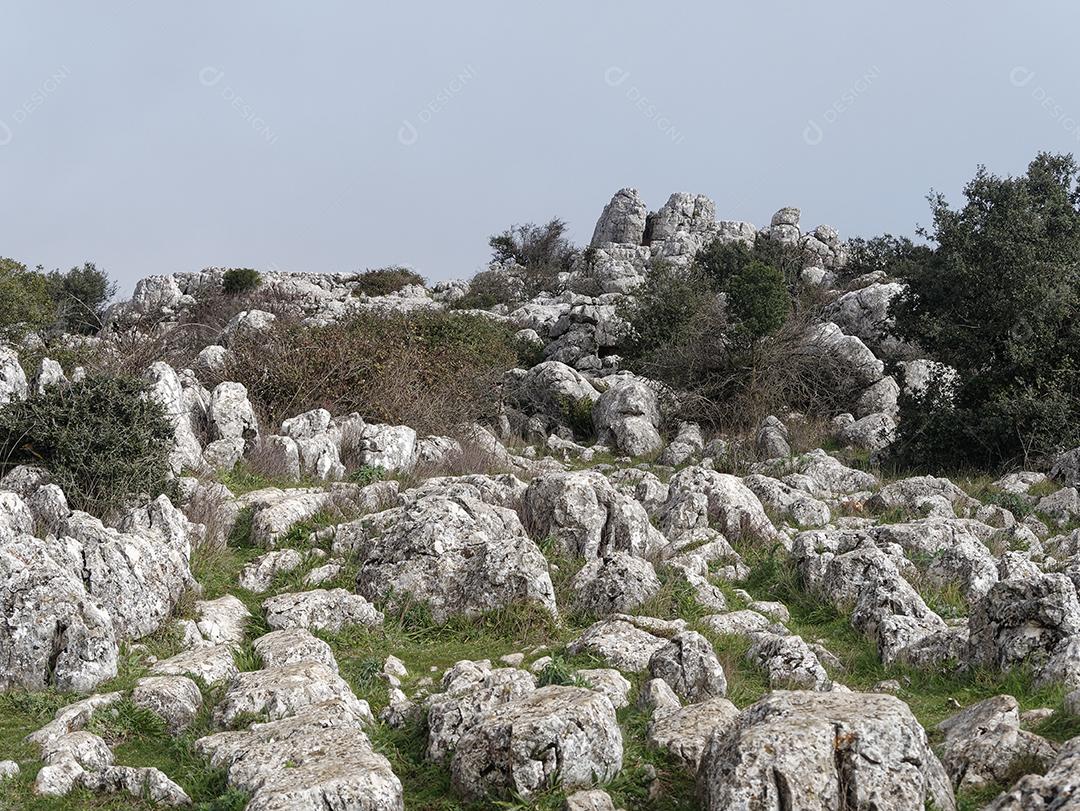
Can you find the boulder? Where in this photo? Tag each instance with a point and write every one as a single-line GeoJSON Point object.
{"type": "Point", "coordinates": [685, 731]}
{"type": "Point", "coordinates": [565, 736]}
{"type": "Point", "coordinates": [455, 554]}
{"type": "Point", "coordinates": [690, 666]}
{"type": "Point", "coordinates": [52, 632]}
{"type": "Point", "coordinates": [470, 690]}
{"type": "Point", "coordinates": [320, 610]}
{"type": "Point", "coordinates": [984, 745]}
{"type": "Point", "coordinates": [284, 691]}
{"type": "Point", "coordinates": [627, 416]}
{"type": "Point", "coordinates": [319, 758]}
{"type": "Point", "coordinates": [622, 221]}
{"type": "Point", "coordinates": [1023, 620]}
{"type": "Point", "coordinates": [823, 751]}
{"type": "Point", "coordinates": [617, 582]}
{"type": "Point", "coordinates": [587, 517]}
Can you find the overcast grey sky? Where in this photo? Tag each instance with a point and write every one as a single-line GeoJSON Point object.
{"type": "Point", "coordinates": [331, 136]}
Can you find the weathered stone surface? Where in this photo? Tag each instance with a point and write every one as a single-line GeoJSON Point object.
{"type": "Point", "coordinates": [823, 751]}
{"type": "Point", "coordinates": [626, 646]}
{"type": "Point", "coordinates": [567, 736]}
{"type": "Point", "coordinates": [622, 221]}
{"type": "Point", "coordinates": [609, 682]}
{"type": "Point", "coordinates": [984, 744]}
{"type": "Point", "coordinates": [689, 664]}
{"type": "Point", "coordinates": [318, 759]}
{"type": "Point", "coordinates": [617, 582]}
{"type": "Point", "coordinates": [176, 699]}
{"type": "Point", "coordinates": [212, 664]}
{"type": "Point", "coordinates": [458, 555]}
{"type": "Point", "coordinates": [470, 689]}
{"type": "Point", "coordinates": [699, 499]}
{"type": "Point", "coordinates": [587, 517]}
{"type": "Point", "coordinates": [293, 645]}
{"type": "Point", "coordinates": [789, 663]}
{"type": "Point", "coordinates": [320, 610]}
{"type": "Point", "coordinates": [140, 782]}
{"type": "Point", "coordinates": [627, 416]}
{"type": "Point", "coordinates": [685, 731]}
{"type": "Point", "coordinates": [230, 413]}
{"type": "Point", "coordinates": [52, 632]}
{"type": "Point", "coordinates": [259, 574]}
{"type": "Point", "coordinates": [284, 691]}
{"type": "Point", "coordinates": [1057, 790]}
{"type": "Point", "coordinates": [1023, 620]}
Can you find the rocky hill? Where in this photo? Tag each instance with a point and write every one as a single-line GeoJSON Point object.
{"type": "Point", "coordinates": [311, 541]}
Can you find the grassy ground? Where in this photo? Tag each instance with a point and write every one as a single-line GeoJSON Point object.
{"type": "Point", "coordinates": [649, 779]}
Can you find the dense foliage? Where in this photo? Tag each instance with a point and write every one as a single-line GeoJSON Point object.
{"type": "Point", "coordinates": [104, 440]}
{"type": "Point", "coordinates": [57, 302]}
{"type": "Point", "coordinates": [434, 371]}
{"type": "Point", "coordinates": [998, 299]}
{"type": "Point", "coordinates": [384, 281]}
{"type": "Point", "coordinates": [726, 331]}
{"type": "Point", "coordinates": [25, 302]}
{"type": "Point", "coordinates": [240, 280]}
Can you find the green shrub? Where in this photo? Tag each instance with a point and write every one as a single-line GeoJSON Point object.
{"type": "Point", "coordinates": [104, 440]}
{"type": "Point", "coordinates": [998, 299]}
{"type": "Point", "coordinates": [758, 301]}
{"type": "Point", "coordinates": [384, 281]}
{"type": "Point", "coordinates": [491, 287]}
{"type": "Point", "coordinates": [727, 334]}
{"type": "Point", "coordinates": [25, 303]}
{"type": "Point", "coordinates": [80, 296]}
{"type": "Point", "coordinates": [433, 371]}
{"type": "Point", "coordinates": [240, 280]}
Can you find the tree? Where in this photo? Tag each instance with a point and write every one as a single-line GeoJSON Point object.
{"type": "Point", "coordinates": [998, 299]}
{"type": "Point", "coordinates": [25, 303]}
{"type": "Point", "coordinates": [80, 296]}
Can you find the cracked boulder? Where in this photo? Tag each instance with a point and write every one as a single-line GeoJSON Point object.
{"type": "Point", "coordinates": [317, 759]}
{"type": "Point", "coordinates": [822, 752]}
{"type": "Point", "coordinates": [565, 736]}
{"type": "Point", "coordinates": [52, 632]}
{"type": "Point", "coordinates": [701, 499]}
{"type": "Point", "coordinates": [457, 555]}
{"type": "Point", "coordinates": [984, 745]}
{"type": "Point", "coordinates": [320, 610]}
{"type": "Point", "coordinates": [587, 517]}
{"type": "Point", "coordinates": [470, 689]}
{"type": "Point", "coordinates": [617, 583]}
{"type": "Point", "coordinates": [1023, 620]}
{"type": "Point", "coordinates": [690, 666]}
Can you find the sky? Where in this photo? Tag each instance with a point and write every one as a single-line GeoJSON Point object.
{"type": "Point", "coordinates": [327, 136]}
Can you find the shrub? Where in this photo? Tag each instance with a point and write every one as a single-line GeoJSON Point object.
{"type": "Point", "coordinates": [433, 371]}
{"type": "Point", "coordinates": [728, 336]}
{"type": "Point", "coordinates": [491, 287]}
{"type": "Point", "coordinates": [25, 303]}
{"type": "Point", "coordinates": [104, 440]}
{"type": "Point", "coordinates": [998, 299]}
{"type": "Point", "coordinates": [541, 253]}
{"type": "Point", "coordinates": [80, 296]}
{"type": "Point", "coordinates": [240, 280]}
{"type": "Point", "coordinates": [384, 281]}
{"type": "Point", "coordinates": [758, 301]}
